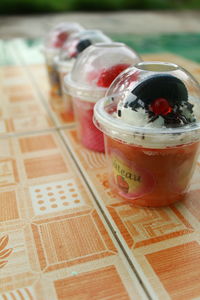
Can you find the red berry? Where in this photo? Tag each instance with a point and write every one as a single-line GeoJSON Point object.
{"type": "Point", "coordinates": [108, 75]}
{"type": "Point", "coordinates": [59, 40]}
{"type": "Point", "coordinates": [160, 106]}
{"type": "Point", "coordinates": [62, 36]}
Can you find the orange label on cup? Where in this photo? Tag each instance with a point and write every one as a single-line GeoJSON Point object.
{"type": "Point", "coordinates": [130, 180]}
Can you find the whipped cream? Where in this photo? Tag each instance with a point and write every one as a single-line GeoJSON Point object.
{"type": "Point", "coordinates": [143, 117]}
{"type": "Point", "coordinates": [139, 119]}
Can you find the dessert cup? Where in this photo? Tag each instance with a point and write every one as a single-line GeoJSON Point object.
{"type": "Point", "coordinates": [52, 45]}
{"type": "Point", "coordinates": [92, 74]}
{"type": "Point", "coordinates": [71, 49]}
{"type": "Point", "coordinates": [88, 134]}
{"type": "Point", "coordinates": [150, 118]}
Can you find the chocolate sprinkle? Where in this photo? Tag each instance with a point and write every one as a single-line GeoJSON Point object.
{"type": "Point", "coordinates": [119, 113]}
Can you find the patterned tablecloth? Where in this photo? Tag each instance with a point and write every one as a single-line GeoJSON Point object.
{"type": "Point", "coordinates": [63, 233]}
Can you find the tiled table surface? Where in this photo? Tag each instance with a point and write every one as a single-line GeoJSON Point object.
{"type": "Point", "coordinates": [63, 233]}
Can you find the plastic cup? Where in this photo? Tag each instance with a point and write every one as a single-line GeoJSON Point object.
{"type": "Point", "coordinates": [71, 49]}
{"type": "Point", "coordinates": [88, 134]}
{"type": "Point", "coordinates": [151, 144]}
{"type": "Point", "coordinates": [92, 74]}
{"type": "Point", "coordinates": [65, 68]}
{"type": "Point", "coordinates": [52, 45]}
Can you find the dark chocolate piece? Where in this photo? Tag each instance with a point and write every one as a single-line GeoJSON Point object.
{"type": "Point", "coordinates": [83, 44]}
{"type": "Point", "coordinates": [161, 86]}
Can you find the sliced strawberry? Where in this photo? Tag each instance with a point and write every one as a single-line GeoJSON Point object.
{"type": "Point", "coordinates": [108, 75]}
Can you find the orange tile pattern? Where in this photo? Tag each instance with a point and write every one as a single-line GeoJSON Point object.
{"type": "Point", "coordinates": [97, 284]}
{"type": "Point", "coordinates": [8, 206]}
{"type": "Point", "coordinates": [49, 223]}
{"type": "Point", "coordinates": [37, 143]}
{"type": "Point", "coordinates": [44, 166]}
{"type": "Point", "coordinates": [141, 226]}
{"type": "Point", "coordinates": [63, 233]}
{"type": "Point", "coordinates": [77, 240]}
{"type": "Point", "coordinates": [8, 172]}
{"type": "Point", "coordinates": [22, 110]}
{"type": "Point", "coordinates": [4, 252]}
{"type": "Point", "coordinates": [24, 97]}
{"type": "Point", "coordinates": [178, 269]}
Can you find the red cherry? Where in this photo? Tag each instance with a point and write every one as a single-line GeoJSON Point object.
{"type": "Point", "coordinates": [108, 75]}
{"type": "Point", "coordinates": [160, 106]}
{"type": "Point", "coordinates": [62, 36]}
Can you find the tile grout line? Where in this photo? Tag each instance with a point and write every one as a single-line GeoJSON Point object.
{"type": "Point", "coordinates": [107, 220]}
{"type": "Point", "coordinates": [23, 133]}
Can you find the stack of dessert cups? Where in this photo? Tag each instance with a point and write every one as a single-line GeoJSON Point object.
{"type": "Point", "coordinates": [93, 72]}
{"type": "Point", "coordinates": [68, 55]}
{"type": "Point", "coordinates": [52, 45]}
{"type": "Point", "coordinates": [150, 118]}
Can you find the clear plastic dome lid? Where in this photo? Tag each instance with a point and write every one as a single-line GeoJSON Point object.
{"type": "Point", "coordinates": [78, 42]}
{"type": "Point", "coordinates": [60, 33]}
{"type": "Point", "coordinates": [96, 67]}
{"type": "Point", "coordinates": [153, 104]}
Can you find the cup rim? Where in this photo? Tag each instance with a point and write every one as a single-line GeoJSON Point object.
{"type": "Point", "coordinates": [157, 66]}
{"type": "Point", "coordinates": [83, 93]}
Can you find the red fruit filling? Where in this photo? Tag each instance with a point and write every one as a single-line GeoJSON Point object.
{"type": "Point", "coordinates": [108, 75]}
{"type": "Point", "coordinates": [60, 39]}
{"type": "Point", "coordinates": [62, 36]}
{"type": "Point", "coordinates": [160, 106]}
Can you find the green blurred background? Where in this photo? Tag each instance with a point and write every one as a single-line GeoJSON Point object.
{"type": "Point", "coordinates": [51, 6]}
